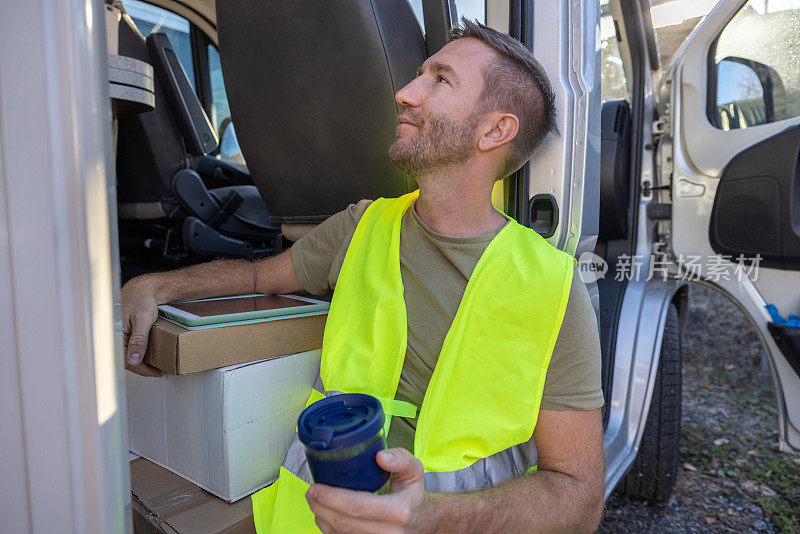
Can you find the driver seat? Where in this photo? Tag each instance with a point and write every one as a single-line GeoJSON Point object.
{"type": "Point", "coordinates": [312, 98]}
{"type": "Point", "coordinates": [177, 203]}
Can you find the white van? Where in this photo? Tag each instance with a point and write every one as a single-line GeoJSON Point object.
{"type": "Point", "coordinates": [120, 155]}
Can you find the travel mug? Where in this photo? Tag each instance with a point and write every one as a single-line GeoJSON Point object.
{"type": "Point", "coordinates": [342, 434]}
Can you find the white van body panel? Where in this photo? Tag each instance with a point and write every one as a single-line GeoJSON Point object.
{"type": "Point", "coordinates": [64, 465]}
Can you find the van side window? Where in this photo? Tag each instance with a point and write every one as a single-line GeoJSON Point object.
{"type": "Point", "coordinates": [613, 83]}
{"type": "Point", "coordinates": [416, 5]}
{"type": "Point", "coordinates": [219, 99]}
{"type": "Point", "coordinates": [206, 78]}
{"type": "Point", "coordinates": [151, 19]}
{"type": "Point", "coordinates": [220, 113]}
{"type": "Point", "coordinates": [472, 9]}
{"type": "Point", "coordinates": [755, 78]}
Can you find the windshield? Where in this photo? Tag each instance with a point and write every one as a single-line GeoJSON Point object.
{"type": "Point", "coordinates": [673, 20]}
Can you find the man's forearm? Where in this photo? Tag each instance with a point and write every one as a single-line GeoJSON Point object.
{"type": "Point", "coordinates": [545, 501]}
{"type": "Point", "coordinates": [212, 279]}
{"type": "Point", "coordinates": [220, 278]}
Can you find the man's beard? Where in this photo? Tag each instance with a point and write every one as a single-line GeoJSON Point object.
{"type": "Point", "coordinates": [440, 141]}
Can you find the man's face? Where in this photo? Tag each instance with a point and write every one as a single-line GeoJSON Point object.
{"type": "Point", "coordinates": [438, 119]}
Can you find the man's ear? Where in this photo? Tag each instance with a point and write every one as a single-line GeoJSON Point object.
{"type": "Point", "coordinates": [502, 128]}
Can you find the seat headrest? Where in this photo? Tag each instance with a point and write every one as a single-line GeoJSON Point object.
{"type": "Point", "coordinates": [311, 89]}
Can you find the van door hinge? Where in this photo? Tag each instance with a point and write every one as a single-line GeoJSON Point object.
{"type": "Point", "coordinates": [661, 126]}
{"type": "Point", "coordinates": [648, 188]}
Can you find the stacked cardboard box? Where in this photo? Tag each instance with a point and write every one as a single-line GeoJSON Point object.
{"type": "Point", "coordinates": [164, 503]}
{"type": "Point", "coordinates": [227, 430]}
{"type": "Point", "coordinates": [179, 351]}
{"type": "Point", "coordinates": [224, 415]}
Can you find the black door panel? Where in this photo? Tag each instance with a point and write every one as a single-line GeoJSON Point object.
{"type": "Point", "coordinates": [757, 205]}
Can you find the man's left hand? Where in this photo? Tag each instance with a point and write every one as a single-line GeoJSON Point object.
{"type": "Point", "coordinates": [404, 509]}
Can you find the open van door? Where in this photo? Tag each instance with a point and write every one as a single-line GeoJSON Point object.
{"type": "Point", "coordinates": [729, 158]}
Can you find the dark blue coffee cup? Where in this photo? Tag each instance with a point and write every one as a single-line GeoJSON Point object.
{"type": "Point", "coordinates": [342, 434]}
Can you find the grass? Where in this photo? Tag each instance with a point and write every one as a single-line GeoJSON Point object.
{"type": "Point", "coordinates": [738, 445]}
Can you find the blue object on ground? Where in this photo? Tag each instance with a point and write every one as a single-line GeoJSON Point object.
{"type": "Point", "coordinates": [793, 320]}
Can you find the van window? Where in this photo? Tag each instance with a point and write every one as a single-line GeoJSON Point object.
{"type": "Point", "coordinates": [151, 19]}
{"type": "Point", "coordinates": [416, 5]}
{"type": "Point", "coordinates": [756, 70]}
{"type": "Point", "coordinates": [613, 84]}
{"type": "Point", "coordinates": [220, 112]}
{"type": "Point", "coordinates": [472, 9]}
{"type": "Point", "coordinates": [219, 99]}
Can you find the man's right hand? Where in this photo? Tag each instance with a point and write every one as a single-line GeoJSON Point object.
{"type": "Point", "coordinates": [139, 312]}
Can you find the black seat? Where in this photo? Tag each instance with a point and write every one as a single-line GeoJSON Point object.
{"type": "Point", "coordinates": [171, 205]}
{"type": "Point", "coordinates": [311, 89]}
{"type": "Point", "coordinates": [149, 145]}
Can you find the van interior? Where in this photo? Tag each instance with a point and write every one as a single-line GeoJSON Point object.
{"type": "Point", "coordinates": [312, 113]}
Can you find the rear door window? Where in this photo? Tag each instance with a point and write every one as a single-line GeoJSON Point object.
{"type": "Point", "coordinates": [756, 66]}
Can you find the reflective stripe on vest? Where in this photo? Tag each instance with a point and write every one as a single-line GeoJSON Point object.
{"type": "Point", "coordinates": [477, 417]}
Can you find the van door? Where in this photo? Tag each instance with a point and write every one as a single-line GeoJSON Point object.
{"type": "Point", "coordinates": [729, 154]}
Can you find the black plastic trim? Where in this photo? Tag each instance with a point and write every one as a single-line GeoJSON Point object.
{"type": "Point", "coordinates": [788, 340]}
{"type": "Point", "coordinates": [520, 27]}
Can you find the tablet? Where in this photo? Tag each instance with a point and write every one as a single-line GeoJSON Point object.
{"type": "Point", "coordinates": [239, 308]}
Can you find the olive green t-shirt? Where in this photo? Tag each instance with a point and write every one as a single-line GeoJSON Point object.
{"type": "Point", "coordinates": [435, 270]}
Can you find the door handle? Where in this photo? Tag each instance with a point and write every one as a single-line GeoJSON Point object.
{"type": "Point", "coordinates": [544, 214]}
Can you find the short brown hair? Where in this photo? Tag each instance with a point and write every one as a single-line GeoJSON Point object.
{"type": "Point", "coordinates": [515, 83]}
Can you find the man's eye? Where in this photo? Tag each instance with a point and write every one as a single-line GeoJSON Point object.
{"type": "Point", "coordinates": [440, 78]}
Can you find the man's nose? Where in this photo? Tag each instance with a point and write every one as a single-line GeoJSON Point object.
{"type": "Point", "coordinates": [409, 96]}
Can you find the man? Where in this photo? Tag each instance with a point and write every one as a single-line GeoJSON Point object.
{"type": "Point", "coordinates": [490, 328]}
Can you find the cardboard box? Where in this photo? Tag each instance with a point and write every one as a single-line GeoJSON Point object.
{"type": "Point", "coordinates": [164, 503]}
{"type": "Point", "coordinates": [178, 351]}
{"type": "Point", "coordinates": [226, 430]}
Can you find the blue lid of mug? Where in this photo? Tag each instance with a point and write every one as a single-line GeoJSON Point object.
{"type": "Point", "coordinates": [340, 421]}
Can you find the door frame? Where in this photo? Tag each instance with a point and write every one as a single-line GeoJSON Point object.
{"type": "Point", "coordinates": [63, 428]}
{"type": "Point", "coordinates": [644, 304]}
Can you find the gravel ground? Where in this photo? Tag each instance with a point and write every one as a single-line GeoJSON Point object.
{"type": "Point", "coordinates": [733, 479]}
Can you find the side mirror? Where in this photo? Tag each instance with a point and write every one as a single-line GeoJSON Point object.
{"type": "Point", "coordinates": [745, 93]}
{"type": "Point", "coordinates": [228, 143]}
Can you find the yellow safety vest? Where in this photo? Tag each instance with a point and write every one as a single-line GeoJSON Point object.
{"type": "Point", "coordinates": [478, 414]}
